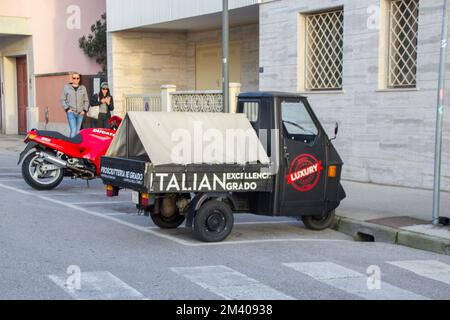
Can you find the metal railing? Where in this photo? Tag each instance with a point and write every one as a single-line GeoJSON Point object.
{"type": "Point", "coordinates": [172, 100]}
{"type": "Point", "coordinates": [142, 102]}
{"type": "Point", "coordinates": [197, 101]}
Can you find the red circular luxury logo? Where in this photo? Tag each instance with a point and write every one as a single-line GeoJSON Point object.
{"type": "Point", "coordinates": [304, 173]}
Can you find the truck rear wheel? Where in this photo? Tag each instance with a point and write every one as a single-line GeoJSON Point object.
{"type": "Point", "coordinates": [319, 223]}
{"type": "Point", "coordinates": [213, 222]}
{"type": "Point", "coordinates": [172, 222]}
{"type": "Point", "coordinates": [169, 216]}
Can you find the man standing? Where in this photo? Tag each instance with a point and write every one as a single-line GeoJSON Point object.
{"type": "Point", "coordinates": [75, 102]}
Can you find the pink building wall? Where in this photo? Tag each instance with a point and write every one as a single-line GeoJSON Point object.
{"type": "Point", "coordinates": [49, 92]}
{"type": "Point", "coordinates": [55, 46]}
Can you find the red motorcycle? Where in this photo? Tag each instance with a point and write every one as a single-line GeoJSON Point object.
{"type": "Point", "coordinates": [55, 156]}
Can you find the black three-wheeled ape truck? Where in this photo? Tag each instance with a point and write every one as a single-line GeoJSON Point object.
{"type": "Point", "coordinates": [283, 165]}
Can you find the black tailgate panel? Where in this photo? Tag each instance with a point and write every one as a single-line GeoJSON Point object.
{"type": "Point", "coordinates": [123, 173]}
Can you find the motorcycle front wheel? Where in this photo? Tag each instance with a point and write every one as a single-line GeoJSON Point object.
{"type": "Point", "coordinates": [40, 174]}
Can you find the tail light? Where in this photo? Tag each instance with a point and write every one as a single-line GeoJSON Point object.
{"type": "Point", "coordinates": [144, 199]}
{"type": "Point", "coordinates": [112, 191]}
{"type": "Point", "coordinates": [31, 136]}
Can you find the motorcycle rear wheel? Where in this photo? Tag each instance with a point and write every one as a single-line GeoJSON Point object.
{"type": "Point", "coordinates": [38, 179]}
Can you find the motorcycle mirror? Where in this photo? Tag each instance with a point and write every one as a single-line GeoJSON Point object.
{"type": "Point", "coordinates": [336, 130]}
{"type": "Point", "coordinates": [115, 122]}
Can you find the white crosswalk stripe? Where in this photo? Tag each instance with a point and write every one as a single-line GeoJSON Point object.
{"type": "Point", "coordinates": [351, 281]}
{"type": "Point", "coordinates": [230, 284]}
{"type": "Point", "coordinates": [96, 286]}
{"type": "Point", "coordinates": [430, 269]}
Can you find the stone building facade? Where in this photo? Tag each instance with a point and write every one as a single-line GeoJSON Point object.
{"type": "Point", "coordinates": [370, 65]}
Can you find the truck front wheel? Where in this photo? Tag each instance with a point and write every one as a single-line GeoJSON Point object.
{"type": "Point", "coordinates": [213, 222]}
{"type": "Point", "coordinates": [319, 222]}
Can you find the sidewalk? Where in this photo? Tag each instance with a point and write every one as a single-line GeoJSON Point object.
{"type": "Point", "coordinates": [369, 213]}
{"type": "Point", "coordinates": [11, 143]}
{"type": "Point", "coordinates": [393, 214]}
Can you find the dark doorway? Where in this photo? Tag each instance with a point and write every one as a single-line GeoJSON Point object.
{"type": "Point", "coordinates": [22, 93]}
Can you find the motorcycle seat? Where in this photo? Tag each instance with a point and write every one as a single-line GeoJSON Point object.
{"type": "Point", "coordinates": [56, 135]}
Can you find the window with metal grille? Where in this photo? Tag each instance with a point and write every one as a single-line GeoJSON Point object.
{"type": "Point", "coordinates": [324, 50]}
{"type": "Point", "coordinates": [403, 29]}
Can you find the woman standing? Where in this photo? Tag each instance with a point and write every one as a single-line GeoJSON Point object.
{"type": "Point", "coordinates": [106, 105]}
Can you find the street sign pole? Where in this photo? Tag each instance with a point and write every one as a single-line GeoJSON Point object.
{"type": "Point", "coordinates": [440, 116]}
{"type": "Point", "coordinates": [225, 62]}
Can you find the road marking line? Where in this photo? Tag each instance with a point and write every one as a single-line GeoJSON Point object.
{"type": "Point", "coordinates": [95, 214]}
{"type": "Point", "coordinates": [99, 202]}
{"type": "Point", "coordinates": [264, 222]}
{"type": "Point", "coordinates": [430, 269]}
{"type": "Point", "coordinates": [97, 286]}
{"type": "Point", "coordinates": [120, 214]}
{"type": "Point", "coordinates": [117, 214]}
{"type": "Point", "coordinates": [71, 194]}
{"type": "Point", "coordinates": [230, 284]}
{"type": "Point", "coordinates": [351, 281]}
{"type": "Point", "coordinates": [259, 241]}
{"type": "Point", "coordinates": [158, 232]}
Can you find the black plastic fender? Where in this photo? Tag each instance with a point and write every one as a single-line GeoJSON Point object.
{"type": "Point", "coordinates": [200, 199]}
{"type": "Point", "coordinates": [30, 145]}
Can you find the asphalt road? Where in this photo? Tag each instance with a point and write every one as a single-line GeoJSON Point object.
{"type": "Point", "coordinates": [74, 243]}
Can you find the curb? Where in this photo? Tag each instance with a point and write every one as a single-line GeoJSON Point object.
{"type": "Point", "coordinates": [365, 231]}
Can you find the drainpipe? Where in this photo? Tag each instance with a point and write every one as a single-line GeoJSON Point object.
{"type": "Point", "coordinates": [440, 116]}
{"type": "Point", "coordinates": [225, 65]}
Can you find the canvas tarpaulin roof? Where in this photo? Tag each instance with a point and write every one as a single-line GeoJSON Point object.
{"type": "Point", "coordinates": [188, 138]}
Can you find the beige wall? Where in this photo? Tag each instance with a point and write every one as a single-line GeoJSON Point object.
{"type": "Point", "coordinates": [140, 62]}
{"type": "Point", "coordinates": [10, 101]}
{"type": "Point", "coordinates": [15, 26]}
{"type": "Point", "coordinates": [144, 61]}
{"type": "Point", "coordinates": [248, 38]}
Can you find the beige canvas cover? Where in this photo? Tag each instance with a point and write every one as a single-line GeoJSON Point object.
{"type": "Point", "coordinates": [188, 138]}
